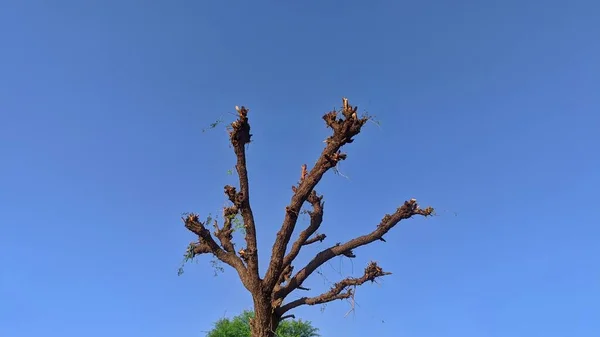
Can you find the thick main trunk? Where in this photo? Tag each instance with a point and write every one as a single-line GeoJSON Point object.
{"type": "Point", "coordinates": [265, 322]}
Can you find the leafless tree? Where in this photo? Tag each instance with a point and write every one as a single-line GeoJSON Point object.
{"type": "Point", "coordinates": [270, 293]}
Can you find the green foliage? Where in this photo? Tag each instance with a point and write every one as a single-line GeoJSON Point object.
{"type": "Point", "coordinates": [239, 326]}
{"type": "Point", "coordinates": [238, 224]}
{"type": "Point", "coordinates": [187, 256]}
{"type": "Point", "coordinates": [213, 125]}
{"type": "Point", "coordinates": [297, 328]}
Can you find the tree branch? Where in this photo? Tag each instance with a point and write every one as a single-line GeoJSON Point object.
{"type": "Point", "coordinates": [207, 245]}
{"type": "Point", "coordinates": [319, 238]}
{"type": "Point", "coordinates": [225, 234]}
{"type": "Point", "coordinates": [407, 210]}
{"type": "Point", "coordinates": [371, 272]}
{"type": "Point", "coordinates": [239, 137]}
{"type": "Point", "coordinates": [316, 218]}
{"type": "Point", "coordinates": [285, 276]}
{"type": "Point", "coordinates": [287, 317]}
{"type": "Point", "coordinates": [343, 130]}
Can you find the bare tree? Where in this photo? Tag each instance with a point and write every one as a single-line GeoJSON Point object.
{"type": "Point", "coordinates": [270, 293]}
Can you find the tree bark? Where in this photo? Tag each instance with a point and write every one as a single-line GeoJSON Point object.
{"type": "Point", "coordinates": [265, 320]}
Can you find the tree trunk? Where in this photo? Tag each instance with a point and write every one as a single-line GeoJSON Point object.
{"type": "Point", "coordinates": [265, 322]}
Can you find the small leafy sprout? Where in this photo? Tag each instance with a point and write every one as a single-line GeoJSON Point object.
{"type": "Point", "coordinates": [238, 223]}
{"type": "Point", "coordinates": [188, 256]}
{"type": "Point", "coordinates": [213, 125]}
{"type": "Point", "coordinates": [189, 251]}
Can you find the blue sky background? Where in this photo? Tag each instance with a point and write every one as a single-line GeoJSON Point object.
{"type": "Point", "coordinates": [489, 111]}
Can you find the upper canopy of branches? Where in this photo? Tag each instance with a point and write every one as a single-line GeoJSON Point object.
{"type": "Point", "coordinates": [279, 279]}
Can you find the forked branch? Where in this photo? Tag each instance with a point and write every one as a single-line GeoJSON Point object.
{"type": "Point", "coordinates": [340, 290]}
{"type": "Point", "coordinates": [207, 245]}
{"type": "Point", "coordinates": [407, 210]}
{"type": "Point", "coordinates": [344, 128]}
{"type": "Point", "coordinates": [225, 233]}
{"type": "Point", "coordinates": [316, 218]}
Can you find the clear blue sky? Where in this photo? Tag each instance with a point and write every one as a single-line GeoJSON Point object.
{"type": "Point", "coordinates": [489, 111]}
